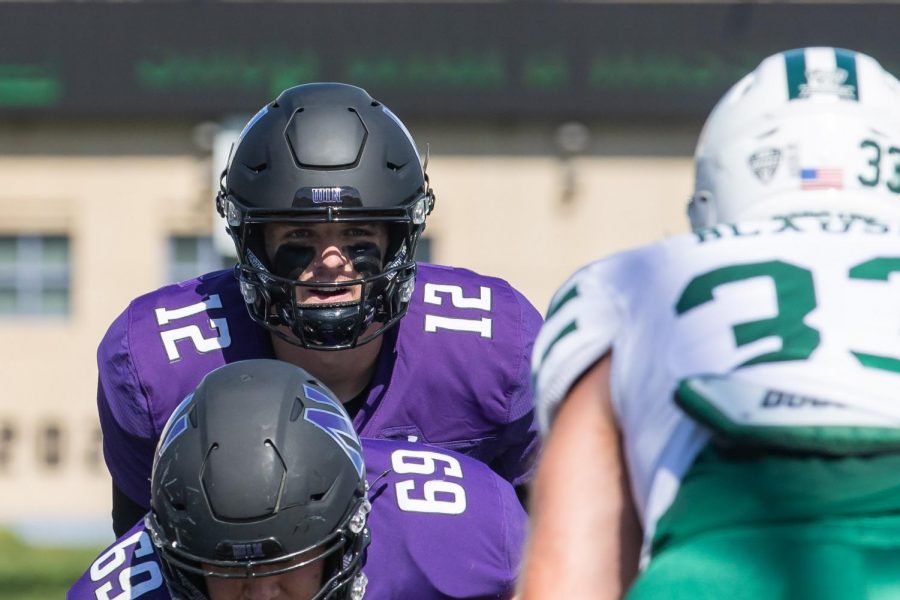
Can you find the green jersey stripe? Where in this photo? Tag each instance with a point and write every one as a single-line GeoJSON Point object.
{"type": "Point", "coordinates": [555, 306]}
{"type": "Point", "coordinates": [566, 331]}
{"type": "Point", "coordinates": [795, 64]}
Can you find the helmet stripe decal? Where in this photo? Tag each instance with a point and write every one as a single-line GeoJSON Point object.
{"type": "Point", "coordinates": [336, 424]}
{"type": "Point", "coordinates": [795, 64]}
{"type": "Point", "coordinates": [846, 60]}
{"type": "Point", "coordinates": [175, 426]}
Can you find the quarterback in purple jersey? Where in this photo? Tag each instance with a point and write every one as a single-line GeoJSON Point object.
{"type": "Point", "coordinates": [260, 491]}
{"type": "Point", "coordinates": [325, 197]}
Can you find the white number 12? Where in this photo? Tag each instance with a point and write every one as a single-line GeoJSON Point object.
{"type": "Point", "coordinates": [192, 332]}
{"type": "Point", "coordinates": [481, 326]}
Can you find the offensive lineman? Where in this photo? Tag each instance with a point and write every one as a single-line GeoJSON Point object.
{"type": "Point", "coordinates": [261, 489]}
{"type": "Point", "coordinates": [325, 197]}
{"type": "Point", "coordinates": [736, 389]}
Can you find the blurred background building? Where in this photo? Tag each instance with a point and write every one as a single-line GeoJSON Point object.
{"type": "Point", "coordinates": [559, 132]}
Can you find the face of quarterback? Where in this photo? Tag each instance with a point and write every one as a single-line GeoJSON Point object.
{"type": "Point", "coordinates": [326, 253]}
{"type": "Point", "coordinates": [300, 584]}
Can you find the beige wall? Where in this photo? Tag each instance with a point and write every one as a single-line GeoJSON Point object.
{"type": "Point", "coordinates": [501, 213]}
{"type": "Point", "coordinates": [519, 226]}
{"type": "Point", "coordinates": [118, 213]}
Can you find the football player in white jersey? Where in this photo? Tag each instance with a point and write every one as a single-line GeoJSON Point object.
{"type": "Point", "coordinates": [726, 401]}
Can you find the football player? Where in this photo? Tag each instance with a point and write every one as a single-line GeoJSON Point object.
{"type": "Point", "coordinates": [735, 389]}
{"type": "Point", "coordinates": [325, 198]}
{"type": "Point", "coordinates": [261, 489]}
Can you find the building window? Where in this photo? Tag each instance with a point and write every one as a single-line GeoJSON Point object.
{"type": "Point", "coordinates": [50, 445]}
{"type": "Point", "coordinates": [34, 275]}
{"type": "Point", "coordinates": [7, 439]}
{"type": "Point", "coordinates": [94, 456]}
{"type": "Point", "coordinates": [191, 255]}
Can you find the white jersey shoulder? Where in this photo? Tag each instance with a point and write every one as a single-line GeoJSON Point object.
{"type": "Point", "coordinates": [806, 304]}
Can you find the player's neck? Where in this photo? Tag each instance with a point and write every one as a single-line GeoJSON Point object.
{"type": "Point", "coordinates": [346, 372]}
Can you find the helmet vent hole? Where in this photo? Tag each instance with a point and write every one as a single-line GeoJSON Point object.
{"type": "Point", "coordinates": [395, 166]}
{"type": "Point", "coordinates": [319, 496]}
{"type": "Point", "coordinates": [376, 103]}
{"type": "Point", "coordinates": [274, 104]}
{"type": "Point", "coordinates": [296, 409]}
{"type": "Point", "coordinates": [257, 168]}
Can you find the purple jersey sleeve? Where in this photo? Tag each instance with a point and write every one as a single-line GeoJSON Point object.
{"type": "Point", "coordinates": [443, 525]}
{"type": "Point", "coordinates": [458, 376]}
{"type": "Point", "coordinates": [130, 568]}
{"type": "Point", "coordinates": [154, 354]}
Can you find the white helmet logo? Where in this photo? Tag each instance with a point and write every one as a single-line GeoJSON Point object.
{"type": "Point", "coordinates": [828, 82]}
{"type": "Point", "coordinates": [764, 162]}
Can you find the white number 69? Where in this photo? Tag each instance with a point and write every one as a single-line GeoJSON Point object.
{"type": "Point", "coordinates": [423, 462]}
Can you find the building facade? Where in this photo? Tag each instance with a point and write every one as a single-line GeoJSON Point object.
{"type": "Point", "coordinates": [94, 214]}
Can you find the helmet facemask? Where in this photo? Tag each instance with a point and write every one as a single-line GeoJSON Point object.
{"type": "Point", "coordinates": [341, 554]}
{"type": "Point", "coordinates": [326, 153]}
{"type": "Point", "coordinates": [271, 287]}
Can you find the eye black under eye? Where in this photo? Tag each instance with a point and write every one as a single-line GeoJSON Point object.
{"type": "Point", "coordinates": [366, 258]}
{"type": "Point", "coordinates": [291, 260]}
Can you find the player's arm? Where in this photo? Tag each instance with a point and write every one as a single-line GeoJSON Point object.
{"type": "Point", "coordinates": [585, 537]}
{"type": "Point", "coordinates": [128, 457]}
{"type": "Point", "coordinates": [125, 511]}
{"type": "Point", "coordinates": [517, 462]}
{"type": "Point", "coordinates": [521, 437]}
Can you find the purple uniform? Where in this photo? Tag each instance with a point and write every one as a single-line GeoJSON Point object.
{"type": "Point", "coordinates": [453, 373]}
{"type": "Point", "coordinates": [443, 526]}
{"type": "Point", "coordinates": [128, 569]}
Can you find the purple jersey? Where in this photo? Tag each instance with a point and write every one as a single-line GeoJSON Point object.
{"type": "Point", "coordinates": [443, 526]}
{"type": "Point", "coordinates": [128, 569]}
{"type": "Point", "coordinates": [454, 372]}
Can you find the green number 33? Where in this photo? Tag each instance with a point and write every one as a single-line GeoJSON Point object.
{"type": "Point", "coordinates": [873, 177]}
{"type": "Point", "coordinates": [796, 298]}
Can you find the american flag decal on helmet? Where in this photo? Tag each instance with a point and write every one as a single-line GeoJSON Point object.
{"type": "Point", "coordinates": [821, 179]}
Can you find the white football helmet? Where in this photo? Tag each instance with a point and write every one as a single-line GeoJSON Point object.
{"type": "Point", "coordinates": [810, 129]}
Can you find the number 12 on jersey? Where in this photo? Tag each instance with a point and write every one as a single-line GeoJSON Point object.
{"type": "Point", "coordinates": [192, 332]}
{"type": "Point", "coordinates": [481, 326]}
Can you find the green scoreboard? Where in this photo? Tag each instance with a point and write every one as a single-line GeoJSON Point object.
{"type": "Point", "coordinates": [493, 60]}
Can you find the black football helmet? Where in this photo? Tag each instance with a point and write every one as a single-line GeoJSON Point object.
{"type": "Point", "coordinates": [325, 153]}
{"type": "Point", "coordinates": [259, 472]}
